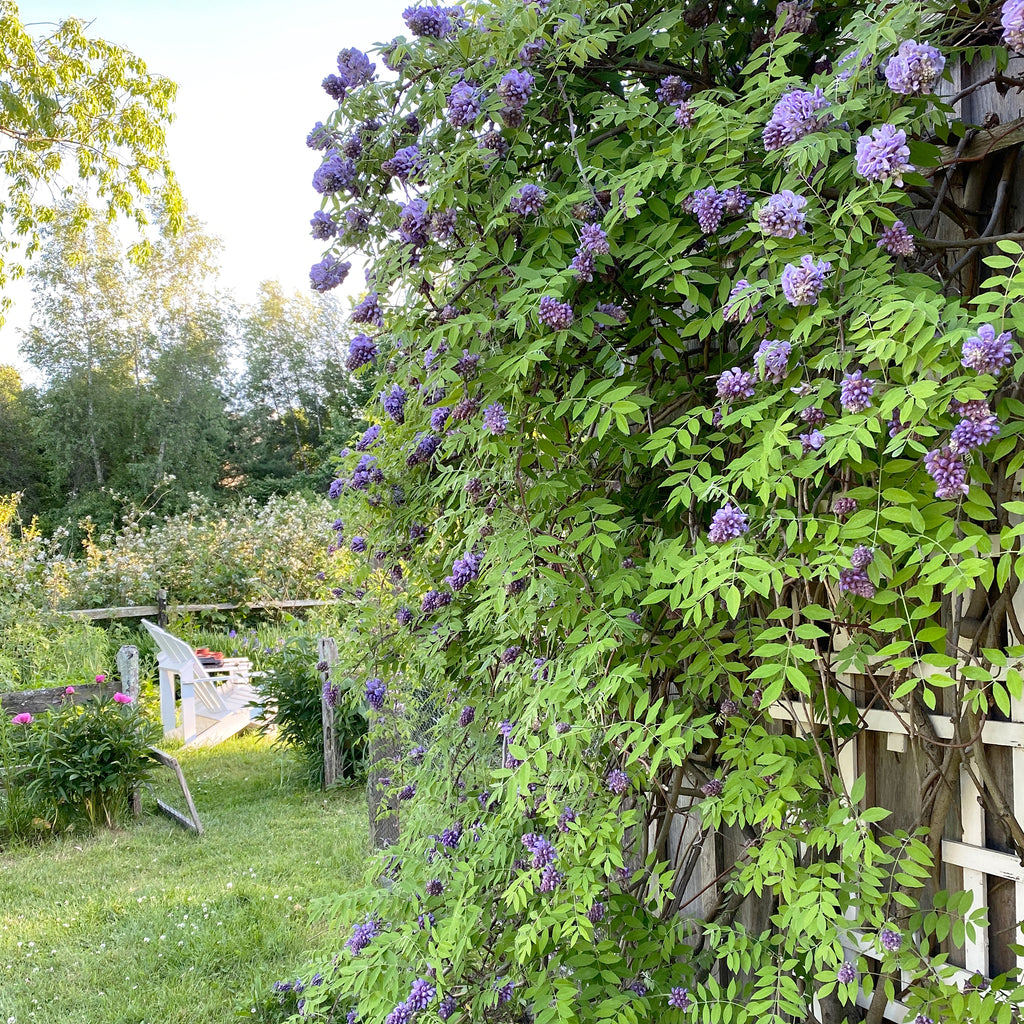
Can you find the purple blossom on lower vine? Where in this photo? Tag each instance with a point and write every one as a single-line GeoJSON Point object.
{"type": "Point", "coordinates": [403, 616]}
{"type": "Point", "coordinates": [813, 416]}
{"type": "Point", "coordinates": [802, 283]}
{"type": "Point", "coordinates": [594, 239]}
{"type": "Point", "coordinates": [406, 164]}
{"type": "Point", "coordinates": [505, 990]}
{"type": "Point", "coordinates": [637, 987]}
{"type": "Point", "coordinates": [510, 654]}
{"type": "Point", "coordinates": [495, 419]}
{"type": "Point", "coordinates": [987, 353]}
{"type": "Point", "coordinates": [679, 999]}
{"type": "Point", "coordinates": [782, 215]}
{"type": "Point", "coordinates": [684, 115]}
{"type": "Point", "coordinates": [897, 240]}
{"type": "Point", "coordinates": [969, 434]}
{"type": "Point", "coordinates": [743, 302]}
{"type": "Point", "coordinates": [435, 599]}
{"type": "Point", "coordinates": [328, 274]}
{"type": "Point", "coordinates": [672, 89]}
{"type": "Point", "coordinates": [862, 557]}
{"type": "Point", "coordinates": [368, 311]}
{"type": "Point", "coordinates": [554, 314]}
{"type": "Point", "coordinates": [464, 570]}
{"type": "Point", "coordinates": [323, 227]}
{"type": "Point", "coordinates": [550, 879]}
{"type": "Point", "coordinates": [334, 174]}
{"type": "Point", "coordinates": [811, 442]}
{"type": "Point", "coordinates": [1012, 20]}
{"type": "Point", "coordinates": [884, 155]}
{"type": "Point", "coordinates": [358, 545]}
{"type": "Point", "coordinates": [463, 105]}
{"type": "Point", "coordinates": [439, 417]}
{"type": "Point", "coordinates": [426, 446]}
{"type": "Point", "coordinates": [428, 21]}
{"type": "Point", "coordinates": [596, 912]}
{"type": "Point", "coordinates": [856, 581]}
{"type": "Point", "coordinates": [844, 506]}
{"type": "Point", "coordinates": [421, 995]}
{"type": "Point", "coordinates": [713, 787]}
{"type": "Point", "coordinates": [771, 360]}
{"type": "Point", "coordinates": [727, 524]}
{"type": "Point", "coordinates": [362, 935]}
{"type": "Point", "coordinates": [447, 1007]}
{"type": "Point", "coordinates": [914, 69]}
{"type": "Point", "coordinates": [891, 940]}
{"type": "Point", "coordinates": [369, 438]}
{"type": "Point", "coordinates": [355, 67]}
{"type": "Point", "coordinates": [949, 471]}
{"type": "Point", "coordinates": [394, 403]}
{"type": "Point", "coordinates": [467, 716]}
{"type": "Point", "coordinates": [403, 1013]}
{"type": "Point", "coordinates": [435, 887]}
{"type": "Point", "coordinates": [735, 384]}
{"type": "Point", "coordinates": [334, 86]}
{"type": "Point", "coordinates": [320, 137]}
{"type": "Point", "coordinates": [583, 265]}
{"type": "Point", "coordinates": [543, 850]}
{"type": "Point", "coordinates": [708, 206]}
{"type": "Point", "coordinates": [611, 310]}
{"type": "Point", "coordinates": [357, 220]}
{"type": "Point", "coordinates": [361, 350]}
{"type": "Point", "coordinates": [529, 201]}
{"type": "Point", "coordinates": [855, 392]}
{"type": "Point", "coordinates": [376, 692]}
{"type": "Point", "coordinates": [846, 973]}
{"type": "Point", "coordinates": [505, 728]}
{"type": "Point", "coordinates": [617, 781]}
{"type": "Point", "coordinates": [797, 113]}
{"type": "Point", "coordinates": [407, 792]}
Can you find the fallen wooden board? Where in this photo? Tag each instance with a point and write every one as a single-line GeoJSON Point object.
{"type": "Point", "coordinates": [190, 821]}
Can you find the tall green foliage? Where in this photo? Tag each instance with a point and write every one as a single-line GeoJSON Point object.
{"type": "Point", "coordinates": [621, 547]}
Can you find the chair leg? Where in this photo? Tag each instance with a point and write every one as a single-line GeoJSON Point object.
{"type": "Point", "coordinates": [167, 718]}
{"type": "Point", "coordinates": [188, 705]}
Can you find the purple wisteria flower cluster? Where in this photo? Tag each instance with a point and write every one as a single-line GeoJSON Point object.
{"type": "Point", "coordinates": [978, 426]}
{"type": "Point", "coordinates": [897, 240]}
{"type": "Point", "coordinates": [771, 361]}
{"type": "Point", "coordinates": [987, 353]}
{"type": "Point", "coordinates": [334, 174]}
{"type": "Point", "coordinates": [355, 68]}
{"type": "Point", "coordinates": [362, 935]}
{"type": "Point", "coordinates": [727, 524]}
{"type": "Point", "coordinates": [529, 201]}
{"type": "Point", "coordinates": [674, 91]}
{"type": "Point", "coordinates": [884, 155]}
{"type": "Point", "coordinates": [735, 384]}
{"type": "Point", "coordinates": [802, 283]}
{"type": "Point", "coordinates": [914, 68]}
{"type": "Point", "coordinates": [407, 164]}
{"type": "Point", "coordinates": [949, 471]}
{"type": "Point", "coordinates": [429, 22]}
{"type": "Point", "coordinates": [743, 304]}
{"type": "Point", "coordinates": [368, 311]}
{"type": "Point", "coordinates": [394, 403]}
{"type": "Point", "coordinates": [709, 206]}
{"type": "Point", "coordinates": [855, 392]}
{"type": "Point", "coordinates": [593, 242]}
{"type": "Point", "coordinates": [426, 445]}
{"type": "Point", "coordinates": [514, 89]}
{"type": "Point", "coordinates": [798, 113]}
{"type": "Point", "coordinates": [361, 350]}
{"type": "Point", "coordinates": [376, 692]}
{"type": "Point", "coordinates": [463, 105]}
{"type": "Point", "coordinates": [554, 314]}
{"type": "Point", "coordinates": [464, 570]}
{"type": "Point", "coordinates": [495, 419]}
{"type": "Point", "coordinates": [328, 273]}
{"type": "Point", "coordinates": [1012, 19]}
{"type": "Point", "coordinates": [782, 215]}
{"type": "Point", "coordinates": [323, 227]}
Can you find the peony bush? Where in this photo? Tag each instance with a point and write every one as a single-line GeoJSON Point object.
{"type": "Point", "coordinates": [689, 411]}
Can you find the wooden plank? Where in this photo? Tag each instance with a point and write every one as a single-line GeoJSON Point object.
{"type": "Point", "coordinates": [981, 858]}
{"type": "Point", "coordinates": [973, 817]}
{"type": "Point", "coordinates": [327, 658]}
{"type": "Point", "coordinates": [986, 141]}
{"type": "Point", "coordinates": [35, 702]}
{"type": "Point", "coordinates": [141, 611]}
{"type": "Point", "coordinates": [998, 734]}
{"type": "Point", "coordinates": [192, 821]}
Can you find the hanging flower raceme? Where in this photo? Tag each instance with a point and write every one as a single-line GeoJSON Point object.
{"type": "Point", "coordinates": [884, 155]}
{"type": "Point", "coordinates": [914, 69]}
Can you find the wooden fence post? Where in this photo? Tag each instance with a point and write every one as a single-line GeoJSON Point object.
{"type": "Point", "coordinates": [161, 608]}
{"type": "Point", "coordinates": [128, 670]}
{"type": "Point", "coordinates": [327, 658]}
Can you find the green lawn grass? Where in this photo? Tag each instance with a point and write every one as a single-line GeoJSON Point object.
{"type": "Point", "coordinates": [154, 925]}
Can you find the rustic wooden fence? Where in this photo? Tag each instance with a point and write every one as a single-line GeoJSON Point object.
{"type": "Point", "coordinates": [164, 607]}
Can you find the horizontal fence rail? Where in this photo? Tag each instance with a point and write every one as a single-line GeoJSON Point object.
{"type": "Point", "coordinates": [144, 610]}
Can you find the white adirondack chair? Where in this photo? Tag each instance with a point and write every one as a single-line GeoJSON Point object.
{"type": "Point", "coordinates": [214, 704]}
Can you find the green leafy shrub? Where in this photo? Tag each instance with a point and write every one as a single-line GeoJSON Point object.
{"type": "Point", "coordinates": [288, 681]}
{"type": "Point", "coordinates": [79, 761]}
{"type": "Point", "coordinates": [40, 648]}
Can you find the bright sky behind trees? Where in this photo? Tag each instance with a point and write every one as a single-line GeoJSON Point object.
{"type": "Point", "coordinates": [249, 75]}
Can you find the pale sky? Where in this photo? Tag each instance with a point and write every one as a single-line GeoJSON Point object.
{"type": "Point", "coordinates": [249, 74]}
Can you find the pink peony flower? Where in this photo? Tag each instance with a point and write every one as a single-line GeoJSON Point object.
{"type": "Point", "coordinates": [101, 678]}
{"type": "Point", "coordinates": [23, 719]}
{"type": "Point", "coordinates": [69, 690]}
{"type": "Point", "coordinates": [122, 698]}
